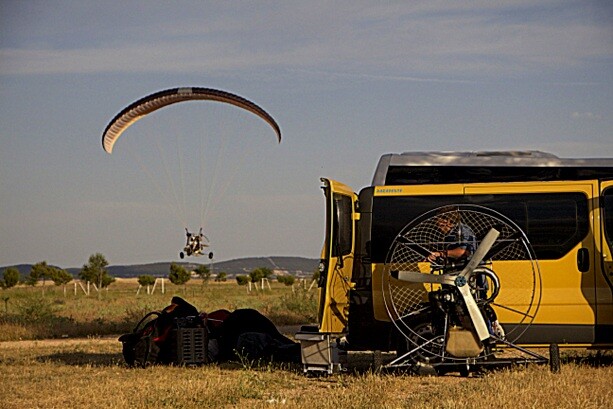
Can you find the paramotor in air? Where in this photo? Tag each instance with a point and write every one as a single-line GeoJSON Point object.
{"type": "Point", "coordinates": [196, 243]}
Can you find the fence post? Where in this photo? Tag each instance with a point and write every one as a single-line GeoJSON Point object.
{"type": "Point", "coordinates": [86, 292]}
{"type": "Point", "coordinates": [312, 283]}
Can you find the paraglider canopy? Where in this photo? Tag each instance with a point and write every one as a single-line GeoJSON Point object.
{"type": "Point", "coordinates": [155, 101]}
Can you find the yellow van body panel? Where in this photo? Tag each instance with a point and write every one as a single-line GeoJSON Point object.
{"type": "Point", "coordinates": [567, 296]}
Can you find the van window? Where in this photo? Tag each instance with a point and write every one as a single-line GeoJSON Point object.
{"type": "Point", "coordinates": [554, 222]}
{"type": "Point", "coordinates": [427, 175]}
{"type": "Point", "coordinates": [607, 206]}
{"type": "Point", "coordinates": [343, 225]}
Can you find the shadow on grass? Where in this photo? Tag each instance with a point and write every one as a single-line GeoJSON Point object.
{"type": "Point", "coordinates": [358, 364]}
{"type": "Point", "coordinates": [596, 359]}
{"type": "Point", "coordinates": [117, 360]}
{"type": "Point", "coordinates": [84, 358]}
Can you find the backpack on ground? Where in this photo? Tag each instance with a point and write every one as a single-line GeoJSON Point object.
{"type": "Point", "coordinates": [176, 335]}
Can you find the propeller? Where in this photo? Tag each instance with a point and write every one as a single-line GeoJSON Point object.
{"type": "Point", "coordinates": [460, 281]}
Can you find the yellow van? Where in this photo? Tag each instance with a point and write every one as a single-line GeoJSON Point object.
{"type": "Point", "coordinates": [564, 207]}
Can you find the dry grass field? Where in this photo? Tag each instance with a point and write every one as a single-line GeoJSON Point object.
{"type": "Point", "coordinates": [50, 312]}
{"type": "Point", "coordinates": [90, 373]}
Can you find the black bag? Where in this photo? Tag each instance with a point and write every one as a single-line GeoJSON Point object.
{"type": "Point", "coordinates": [248, 332]}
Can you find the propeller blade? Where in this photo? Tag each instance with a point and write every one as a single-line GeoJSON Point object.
{"type": "Point", "coordinates": [487, 243]}
{"type": "Point", "coordinates": [474, 312]}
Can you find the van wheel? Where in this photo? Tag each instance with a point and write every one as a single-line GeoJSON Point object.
{"type": "Point", "coordinates": [554, 358]}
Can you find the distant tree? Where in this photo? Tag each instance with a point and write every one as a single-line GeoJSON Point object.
{"type": "Point", "coordinates": [60, 277]}
{"type": "Point", "coordinates": [286, 279]}
{"type": "Point", "coordinates": [95, 272]}
{"type": "Point", "coordinates": [146, 280]}
{"type": "Point", "coordinates": [178, 274]}
{"type": "Point", "coordinates": [242, 280]}
{"type": "Point", "coordinates": [259, 273]}
{"type": "Point", "coordinates": [221, 276]}
{"type": "Point", "coordinates": [39, 271]}
{"type": "Point", "coordinates": [10, 278]}
{"type": "Point", "coordinates": [204, 273]}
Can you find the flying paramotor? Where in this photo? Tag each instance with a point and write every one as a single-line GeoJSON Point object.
{"type": "Point", "coordinates": [153, 102]}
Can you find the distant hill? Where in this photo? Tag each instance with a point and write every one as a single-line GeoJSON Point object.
{"type": "Point", "coordinates": [296, 266]}
{"type": "Point", "coordinates": [24, 269]}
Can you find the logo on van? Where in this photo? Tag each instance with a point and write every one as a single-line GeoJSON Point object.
{"type": "Point", "coordinates": [389, 190]}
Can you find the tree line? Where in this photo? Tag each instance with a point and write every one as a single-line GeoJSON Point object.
{"type": "Point", "coordinates": [258, 274]}
{"type": "Point", "coordinates": [94, 272]}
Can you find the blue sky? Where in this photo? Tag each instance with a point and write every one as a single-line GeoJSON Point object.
{"type": "Point", "coordinates": [347, 81]}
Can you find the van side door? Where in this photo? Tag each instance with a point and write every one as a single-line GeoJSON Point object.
{"type": "Point", "coordinates": [337, 257]}
{"type": "Point", "coordinates": [557, 218]}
